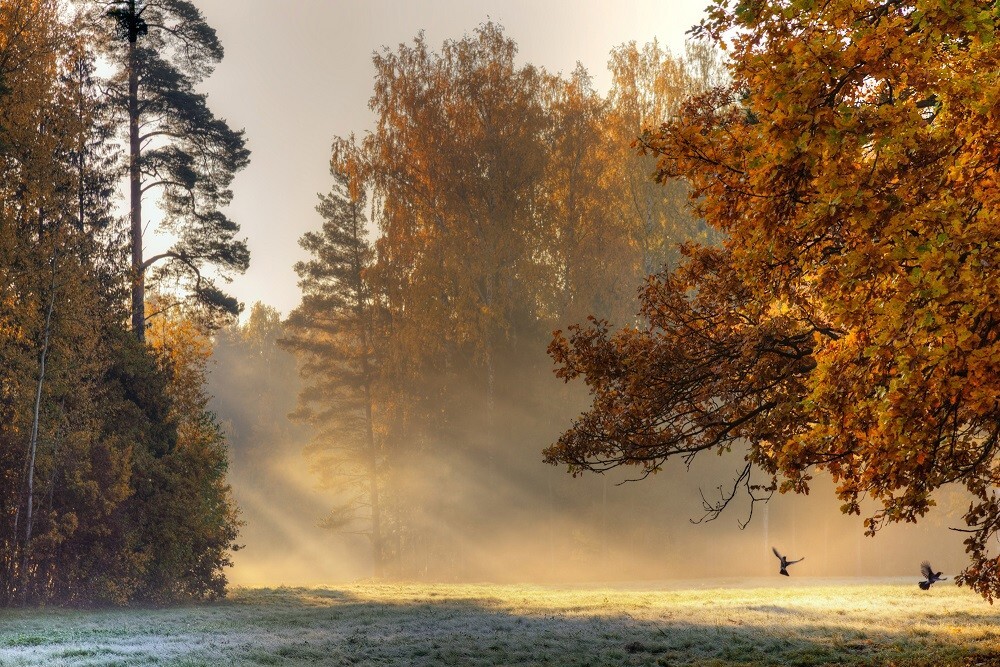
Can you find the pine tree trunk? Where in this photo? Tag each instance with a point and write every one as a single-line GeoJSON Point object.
{"type": "Point", "coordinates": [135, 196]}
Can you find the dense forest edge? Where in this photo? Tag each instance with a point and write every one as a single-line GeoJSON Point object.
{"type": "Point", "coordinates": [113, 468]}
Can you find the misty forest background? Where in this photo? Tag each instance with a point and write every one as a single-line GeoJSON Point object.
{"type": "Point", "coordinates": [392, 424]}
{"type": "Point", "coordinates": [521, 206]}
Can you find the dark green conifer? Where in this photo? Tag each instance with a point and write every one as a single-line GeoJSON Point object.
{"type": "Point", "coordinates": [178, 148]}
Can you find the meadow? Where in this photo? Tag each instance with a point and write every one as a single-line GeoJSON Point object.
{"type": "Point", "coordinates": [718, 624]}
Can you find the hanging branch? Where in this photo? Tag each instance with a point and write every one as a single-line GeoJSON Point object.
{"type": "Point", "coordinates": [714, 509]}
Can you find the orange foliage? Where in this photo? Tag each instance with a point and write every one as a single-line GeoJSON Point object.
{"type": "Point", "coordinates": [849, 323]}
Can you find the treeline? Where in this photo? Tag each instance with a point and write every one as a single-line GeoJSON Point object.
{"type": "Point", "coordinates": [112, 468]}
{"type": "Point", "coordinates": [508, 202]}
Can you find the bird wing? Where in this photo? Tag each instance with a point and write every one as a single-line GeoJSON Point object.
{"type": "Point", "coordinates": [926, 570]}
{"type": "Point", "coordinates": [776, 553]}
{"type": "Point", "coordinates": [792, 562]}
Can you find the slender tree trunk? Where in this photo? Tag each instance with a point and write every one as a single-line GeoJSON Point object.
{"type": "Point", "coordinates": [491, 382]}
{"type": "Point", "coordinates": [378, 550]}
{"type": "Point", "coordinates": [33, 441]}
{"type": "Point", "coordinates": [648, 262]}
{"type": "Point", "coordinates": [491, 400]}
{"type": "Point", "coordinates": [81, 147]}
{"type": "Point", "coordinates": [135, 195]}
{"type": "Point", "coordinates": [551, 569]}
{"type": "Point", "coordinates": [605, 561]}
{"type": "Point", "coordinates": [397, 532]}
{"type": "Point", "coordinates": [767, 538]}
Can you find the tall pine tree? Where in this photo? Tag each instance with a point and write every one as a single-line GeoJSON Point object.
{"type": "Point", "coordinates": [178, 147]}
{"type": "Point", "coordinates": [332, 332]}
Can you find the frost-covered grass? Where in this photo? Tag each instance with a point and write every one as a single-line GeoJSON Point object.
{"type": "Point", "coordinates": [791, 622]}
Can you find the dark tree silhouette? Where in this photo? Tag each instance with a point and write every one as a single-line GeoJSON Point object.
{"type": "Point", "coordinates": [178, 147]}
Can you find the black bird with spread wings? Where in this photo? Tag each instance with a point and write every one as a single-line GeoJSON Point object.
{"type": "Point", "coordinates": [930, 575]}
{"type": "Point", "coordinates": [785, 562]}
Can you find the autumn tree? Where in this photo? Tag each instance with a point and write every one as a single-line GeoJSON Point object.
{"type": "Point", "coordinates": [461, 204]}
{"type": "Point", "coordinates": [585, 248]}
{"type": "Point", "coordinates": [457, 165]}
{"type": "Point", "coordinates": [45, 340]}
{"type": "Point", "coordinates": [848, 324]}
{"type": "Point", "coordinates": [177, 148]}
{"type": "Point", "coordinates": [88, 419]}
{"type": "Point", "coordinates": [332, 333]}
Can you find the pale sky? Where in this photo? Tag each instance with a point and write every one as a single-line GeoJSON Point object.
{"type": "Point", "coordinates": [297, 74]}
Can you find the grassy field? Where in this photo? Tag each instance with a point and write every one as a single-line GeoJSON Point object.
{"type": "Point", "coordinates": [790, 622]}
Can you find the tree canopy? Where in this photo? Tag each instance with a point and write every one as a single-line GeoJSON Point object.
{"type": "Point", "coordinates": [177, 148]}
{"type": "Point", "coordinates": [848, 323]}
{"type": "Point", "coordinates": [502, 200]}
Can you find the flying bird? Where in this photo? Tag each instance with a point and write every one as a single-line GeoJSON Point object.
{"type": "Point", "coordinates": [785, 562]}
{"type": "Point", "coordinates": [930, 574]}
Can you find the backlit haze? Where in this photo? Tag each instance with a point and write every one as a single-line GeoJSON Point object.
{"type": "Point", "coordinates": [297, 74]}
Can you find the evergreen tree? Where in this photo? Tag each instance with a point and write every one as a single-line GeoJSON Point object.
{"type": "Point", "coordinates": [111, 477]}
{"type": "Point", "coordinates": [177, 146]}
{"type": "Point", "coordinates": [183, 494]}
{"type": "Point", "coordinates": [332, 332]}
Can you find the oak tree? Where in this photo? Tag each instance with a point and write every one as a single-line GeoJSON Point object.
{"type": "Point", "coordinates": [849, 323]}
